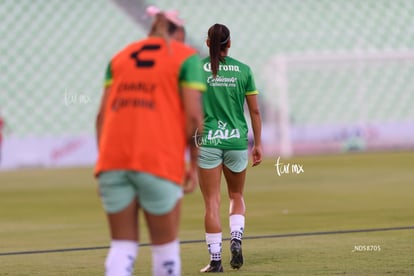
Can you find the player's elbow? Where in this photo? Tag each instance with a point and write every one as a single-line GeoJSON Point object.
{"type": "Point", "coordinates": [194, 122]}
{"type": "Point", "coordinates": [255, 111]}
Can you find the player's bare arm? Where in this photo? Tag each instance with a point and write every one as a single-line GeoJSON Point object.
{"type": "Point", "coordinates": [256, 121]}
{"type": "Point", "coordinates": [100, 116]}
{"type": "Point", "coordinates": [194, 122]}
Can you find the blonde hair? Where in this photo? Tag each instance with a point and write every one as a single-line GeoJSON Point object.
{"type": "Point", "coordinates": [164, 28]}
{"type": "Point", "coordinates": [159, 27]}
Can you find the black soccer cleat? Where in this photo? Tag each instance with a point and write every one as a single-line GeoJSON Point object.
{"type": "Point", "coordinates": [213, 266]}
{"type": "Point", "coordinates": [236, 254]}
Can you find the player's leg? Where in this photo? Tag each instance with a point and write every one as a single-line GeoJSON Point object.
{"type": "Point", "coordinates": [209, 181]}
{"type": "Point", "coordinates": [234, 169]}
{"type": "Point", "coordinates": [161, 201]}
{"type": "Point", "coordinates": [235, 186]}
{"type": "Point", "coordinates": [165, 248]}
{"type": "Point", "coordinates": [210, 169]}
{"type": "Point", "coordinates": [124, 246]}
{"type": "Point", "coordinates": [121, 206]}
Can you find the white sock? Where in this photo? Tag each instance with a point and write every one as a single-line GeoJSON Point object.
{"type": "Point", "coordinates": [214, 241]}
{"type": "Point", "coordinates": [236, 226]}
{"type": "Point", "coordinates": [166, 259]}
{"type": "Point", "coordinates": [121, 258]}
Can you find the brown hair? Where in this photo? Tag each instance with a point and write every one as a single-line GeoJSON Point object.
{"type": "Point", "coordinates": [219, 36]}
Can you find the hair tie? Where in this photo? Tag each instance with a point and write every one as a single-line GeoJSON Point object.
{"type": "Point", "coordinates": [170, 15]}
{"type": "Point", "coordinates": [225, 41]}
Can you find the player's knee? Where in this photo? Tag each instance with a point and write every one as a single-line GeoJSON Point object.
{"type": "Point", "coordinates": [236, 196]}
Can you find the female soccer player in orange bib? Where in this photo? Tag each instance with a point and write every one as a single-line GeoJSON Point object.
{"type": "Point", "coordinates": [149, 113]}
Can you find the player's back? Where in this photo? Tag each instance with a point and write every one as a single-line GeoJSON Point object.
{"type": "Point", "coordinates": [144, 119]}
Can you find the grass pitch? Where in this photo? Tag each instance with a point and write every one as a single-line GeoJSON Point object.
{"type": "Point", "coordinates": [52, 222]}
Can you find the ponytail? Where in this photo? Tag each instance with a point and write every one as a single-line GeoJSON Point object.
{"type": "Point", "coordinates": [219, 36]}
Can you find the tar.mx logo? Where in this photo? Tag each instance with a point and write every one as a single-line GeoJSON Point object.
{"type": "Point", "coordinates": [200, 141]}
{"type": "Point", "coordinates": [74, 98]}
{"type": "Point", "coordinates": [287, 168]}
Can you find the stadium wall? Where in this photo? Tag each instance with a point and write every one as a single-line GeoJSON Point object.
{"type": "Point", "coordinates": [54, 55]}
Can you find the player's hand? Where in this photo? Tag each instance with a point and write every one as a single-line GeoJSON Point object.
{"type": "Point", "coordinates": [257, 153]}
{"type": "Point", "coordinates": [190, 181]}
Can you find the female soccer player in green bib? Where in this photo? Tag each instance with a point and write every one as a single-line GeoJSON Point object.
{"type": "Point", "coordinates": [224, 143]}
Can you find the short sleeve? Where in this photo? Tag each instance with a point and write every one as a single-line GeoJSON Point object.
{"type": "Point", "coordinates": [250, 85]}
{"type": "Point", "coordinates": [191, 74]}
{"type": "Point", "coordinates": [108, 75]}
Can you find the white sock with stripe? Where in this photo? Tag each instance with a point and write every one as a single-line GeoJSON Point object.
{"type": "Point", "coordinates": [214, 241]}
{"type": "Point", "coordinates": [236, 226]}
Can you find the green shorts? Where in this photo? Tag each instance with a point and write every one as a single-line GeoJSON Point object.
{"type": "Point", "coordinates": [155, 195]}
{"type": "Point", "coordinates": [235, 160]}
